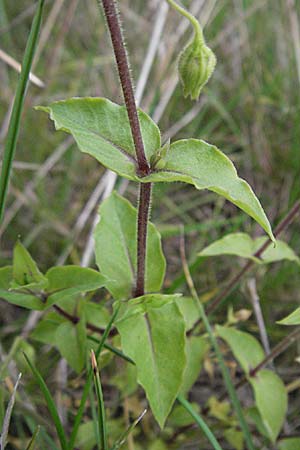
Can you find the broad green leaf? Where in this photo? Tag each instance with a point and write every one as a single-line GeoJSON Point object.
{"type": "Point", "coordinates": [241, 244]}
{"type": "Point", "coordinates": [189, 309]}
{"type": "Point", "coordinates": [196, 349]}
{"type": "Point", "coordinates": [271, 400]}
{"type": "Point", "coordinates": [25, 270]}
{"type": "Point", "coordinates": [68, 281]}
{"type": "Point", "coordinates": [254, 415]}
{"type": "Point", "coordinates": [101, 129]}
{"type": "Point", "coordinates": [195, 162]}
{"type": "Point", "coordinates": [245, 347]}
{"type": "Point", "coordinates": [70, 339]}
{"type": "Point", "coordinates": [115, 248]}
{"type": "Point", "coordinates": [152, 333]}
{"type": "Point", "coordinates": [6, 274]}
{"type": "Point", "coordinates": [291, 319]}
{"type": "Point", "coordinates": [289, 444]}
{"type": "Point", "coordinates": [46, 328]}
{"type": "Point", "coordinates": [96, 314]}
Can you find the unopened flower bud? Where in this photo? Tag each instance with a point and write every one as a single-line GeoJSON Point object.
{"type": "Point", "coordinates": [196, 65]}
{"type": "Point", "coordinates": [196, 61]}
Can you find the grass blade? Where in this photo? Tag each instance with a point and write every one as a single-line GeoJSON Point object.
{"type": "Point", "coordinates": [101, 409]}
{"type": "Point", "coordinates": [7, 417]}
{"type": "Point", "coordinates": [50, 404]}
{"type": "Point", "coordinates": [122, 439]}
{"type": "Point", "coordinates": [14, 124]}
{"type": "Point", "coordinates": [31, 444]}
{"type": "Point", "coordinates": [88, 383]}
{"type": "Point", "coordinates": [198, 419]}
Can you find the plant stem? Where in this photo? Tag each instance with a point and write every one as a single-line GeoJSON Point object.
{"type": "Point", "coordinates": [193, 21]}
{"type": "Point", "coordinates": [114, 26]}
{"type": "Point", "coordinates": [225, 372]}
{"type": "Point", "coordinates": [142, 225]}
{"type": "Point", "coordinates": [100, 400]}
{"type": "Point", "coordinates": [285, 222]}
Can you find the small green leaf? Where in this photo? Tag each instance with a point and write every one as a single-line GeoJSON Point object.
{"type": "Point", "coordinates": [195, 162]}
{"type": "Point", "coordinates": [23, 299]}
{"type": "Point", "coordinates": [271, 400]}
{"type": "Point", "coordinates": [68, 281]}
{"type": "Point", "coordinates": [196, 349]}
{"type": "Point", "coordinates": [46, 328]}
{"type": "Point", "coordinates": [26, 273]}
{"type": "Point", "coordinates": [115, 248]}
{"type": "Point", "coordinates": [180, 417]}
{"type": "Point", "coordinates": [70, 339]}
{"type": "Point", "coordinates": [101, 129]}
{"type": "Point", "coordinates": [289, 444]}
{"type": "Point", "coordinates": [245, 347]}
{"type": "Point", "coordinates": [241, 244]}
{"type": "Point", "coordinates": [152, 332]}
{"type": "Point", "coordinates": [235, 438]}
{"type": "Point", "coordinates": [291, 319]}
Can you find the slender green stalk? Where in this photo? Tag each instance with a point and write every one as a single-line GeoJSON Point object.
{"type": "Point", "coordinates": [88, 383]}
{"type": "Point", "coordinates": [14, 124]}
{"type": "Point", "coordinates": [198, 419]}
{"type": "Point", "coordinates": [50, 403]}
{"type": "Point", "coordinates": [112, 349]}
{"type": "Point", "coordinates": [225, 372]}
{"type": "Point", "coordinates": [101, 409]}
{"type": "Point", "coordinates": [193, 21]}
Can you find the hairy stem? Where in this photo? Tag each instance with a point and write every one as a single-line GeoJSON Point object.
{"type": "Point", "coordinates": [113, 22]}
{"type": "Point", "coordinates": [143, 214]}
{"type": "Point", "coordinates": [114, 26]}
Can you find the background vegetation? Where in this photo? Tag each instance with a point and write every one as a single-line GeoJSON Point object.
{"type": "Point", "coordinates": [250, 110]}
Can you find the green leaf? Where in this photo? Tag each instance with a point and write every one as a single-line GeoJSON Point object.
{"type": "Point", "coordinates": [234, 438]}
{"type": "Point", "coordinates": [70, 339]}
{"type": "Point", "coordinates": [152, 333]}
{"type": "Point", "coordinates": [26, 273]}
{"type": "Point", "coordinates": [291, 319]}
{"type": "Point", "coordinates": [269, 391]}
{"type": "Point", "coordinates": [195, 162]}
{"type": "Point", "coordinates": [271, 400]}
{"type": "Point", "coordinates": [241, 244]}
{"type": "Point", "coordinates": [180, 417]}
{"type": "Point", "coordinates": [196, 349]}
{"type": "Point", "coordinates": [101, 129]}
{"type": "Point", "coordinates": [289, 444]}
{"type": "Point", "coordinates": [245, 347]}
{"type": "Point", "coordinates": [46, 328]}
{"type": "Point", "coordinates": [190, 311]}
{"type": "Point", "coordinates": [86, 439]}
{"type": "Point", "coordinates": [23, 299]}
{"type": "Point", "coordinates": [68, 281]}
{"type": "Point", "coordinates": [115, 248]}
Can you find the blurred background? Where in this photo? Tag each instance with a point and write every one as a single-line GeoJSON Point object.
{"type": "Point", "coordinates": [249, 109]}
